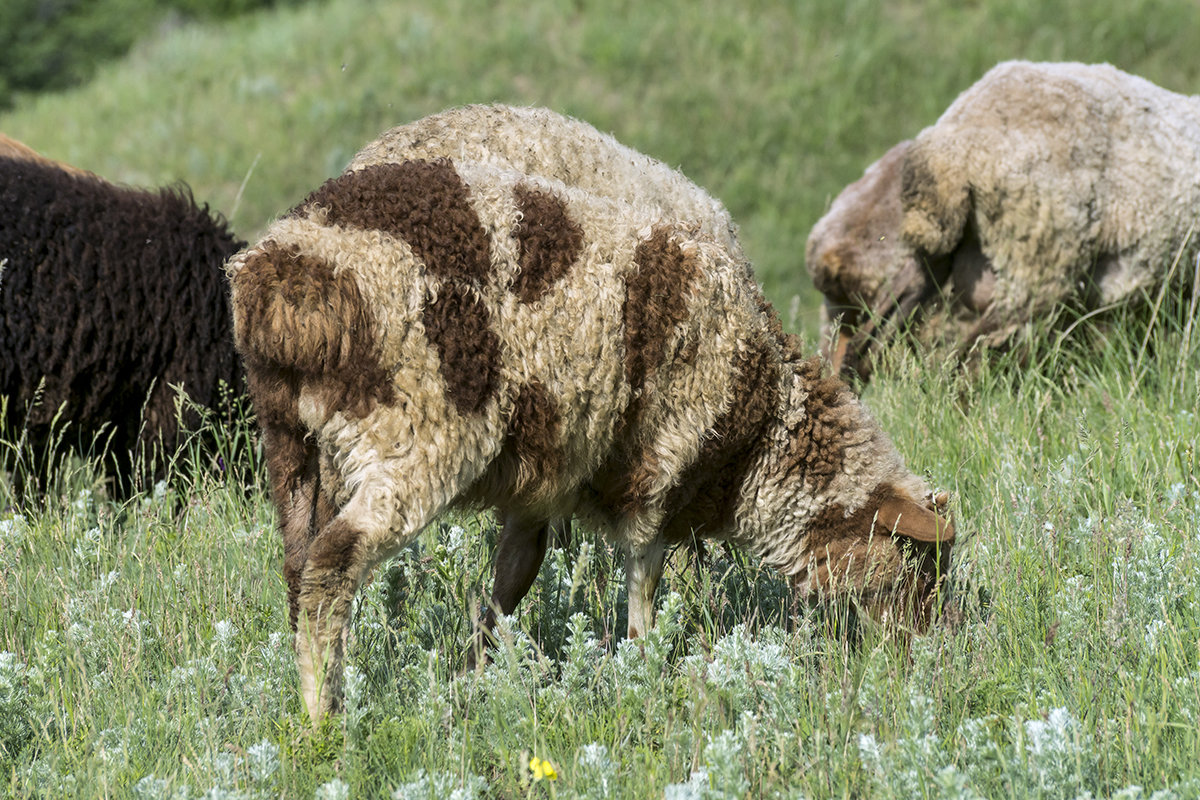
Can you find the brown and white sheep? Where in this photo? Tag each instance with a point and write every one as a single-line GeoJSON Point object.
{"type": "Point", "coordinates": [1042, 185]}
{"type": "Point", "coordinates": [421, 334]}
{"type": "Point", "coordinates": [110, 297]}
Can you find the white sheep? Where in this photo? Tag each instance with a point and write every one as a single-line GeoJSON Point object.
{"type": "Point", "coordinates": [1041, 185]}
{"type": "Point", "coordinates": [422, 334]}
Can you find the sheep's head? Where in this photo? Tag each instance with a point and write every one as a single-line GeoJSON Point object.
{"type": "Point", "coordinates": [890, 556]}
{"type": "Point", "coordinates": [872, 279]}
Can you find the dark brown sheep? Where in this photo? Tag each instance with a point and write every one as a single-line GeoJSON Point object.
{"type": "Point", "coordinates": [110, 298]}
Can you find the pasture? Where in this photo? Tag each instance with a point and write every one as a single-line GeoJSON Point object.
{"type": "Point", "coordinates": [144, 646]}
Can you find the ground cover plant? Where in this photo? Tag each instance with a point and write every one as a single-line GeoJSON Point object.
{"type": "Point", "coordinates": [144, 648]}
{"type": "Point", "coordinates": [145, 653]}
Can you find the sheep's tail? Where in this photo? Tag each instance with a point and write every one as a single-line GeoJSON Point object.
{"type": "Point", "coordinates": [292, 311]}
{"type": "Point", "coordinates": [296, 319]}
{"type": "Point", "coordinates": [936, 202]}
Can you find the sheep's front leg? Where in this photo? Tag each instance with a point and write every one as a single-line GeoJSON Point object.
{"type": "Point", "coordinates": [332, 574]}
{"type": "Point", "coordinates": [519, 556]}
{"type": "Point", "coordinates": [643, 570]}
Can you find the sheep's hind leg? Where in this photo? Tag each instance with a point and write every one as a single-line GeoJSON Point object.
{"type": "Point", "coordinates": [302, 507]}
{"type": "Point", "coordinates": [643, 570]}
{"type": "Point", "coordinates": [519, 556]}
{"type": "Point", "coordinates": [339, 559]}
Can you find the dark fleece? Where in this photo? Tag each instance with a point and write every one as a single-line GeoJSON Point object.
{"type": "Point", "coordinates": [108, 293]}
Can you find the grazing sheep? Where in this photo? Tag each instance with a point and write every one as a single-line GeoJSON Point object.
{"type": "Point", "coordinates": [1041, 185]}
{"type": "Point", "coordinates": [110, 297]}
{"type": "Point", "coordinates": [421, 334]}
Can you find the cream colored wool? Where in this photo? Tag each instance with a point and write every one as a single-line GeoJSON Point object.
{"type": "Point", "coordinates": [1042, 184]}
{"type": "Point", "coordinates": [538, 141]}
{"type": "Point", "coordinates": [390, 471]}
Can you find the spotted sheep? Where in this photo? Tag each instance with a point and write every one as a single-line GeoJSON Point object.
{"type": "Point", "coordinates": [424, 334]}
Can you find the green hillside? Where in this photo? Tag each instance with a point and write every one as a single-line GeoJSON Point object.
{"type": "Point", "coordinates": [771, 106]}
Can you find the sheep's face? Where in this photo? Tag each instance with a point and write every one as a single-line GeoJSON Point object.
{"type": "Point", "coordinates": [858, 261]}
{"type": "Point", "coordinates": [890, 557]}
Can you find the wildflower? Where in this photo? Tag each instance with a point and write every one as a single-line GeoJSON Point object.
{"type": "Point", "coordinates": [542, 769]}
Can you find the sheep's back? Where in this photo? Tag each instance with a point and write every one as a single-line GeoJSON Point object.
{"type": "Point", "coordinates": [1075, 171]}
{"type": "Point", "coordinates": [541, 142]}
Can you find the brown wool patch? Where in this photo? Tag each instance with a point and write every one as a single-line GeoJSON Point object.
{"type": "Point", "coordinates": [549, 241]}
{"type": "Point", "coordinates": [530, 457]}
{"type": "Point", "coordinates": [833, 530]}
{"type": "Point", "coordinates": [274, 393]}
{"type": "Point", "coordinates": [655, 302]}
{"type": "Point", "coordinates": [622, 482]}
{"type": "Point", "coordinates": [333, 550]}
{"type": "Point", "coordinates": [457, 323]}
{"type": "Point", "coordinates": [533, 430]}
{"type": "Point", "coordinates": [707, 495]}
{"type": "Point", "coordinates": [299, 322]}
{"type": "Point", "coordinates": [817, 445]}
{"type": "Point", "coordinates": [424, 203]}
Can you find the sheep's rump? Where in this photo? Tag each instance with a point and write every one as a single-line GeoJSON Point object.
{"type": "Point", "coordinates": [490, 336]}
{"type": "Point", "coordinates": [108, 296]}
{"type": "Point", "coordinates": [1078, 179]}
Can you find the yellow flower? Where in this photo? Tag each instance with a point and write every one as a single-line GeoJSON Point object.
{"type": "Point", "coordinates": [542, 769]}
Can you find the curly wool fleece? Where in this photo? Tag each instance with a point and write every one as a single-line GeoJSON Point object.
{"type": "Point", "coordinates": [1041, 185]}
{"type": "Point", "coordinates": [111, 297]}
{"type": "Point", "coordinates": [425, 333]}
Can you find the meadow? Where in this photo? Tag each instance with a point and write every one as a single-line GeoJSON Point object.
{"type": "Point", "coordinates": [144, 649]}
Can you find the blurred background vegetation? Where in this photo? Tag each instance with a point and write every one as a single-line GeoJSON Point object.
{"type": "Point", "coordinates": [772, 106]}
{"type": "Point", "coordinates": [46, 45]}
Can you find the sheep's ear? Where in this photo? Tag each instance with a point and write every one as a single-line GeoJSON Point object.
{"type": "Point", "coordinates": [906, 518]}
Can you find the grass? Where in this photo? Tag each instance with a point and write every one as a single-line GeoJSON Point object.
{"type": "Point", "coordinates": [147, 654]}
{"type": "Point", "coordinates": [143, 647]}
